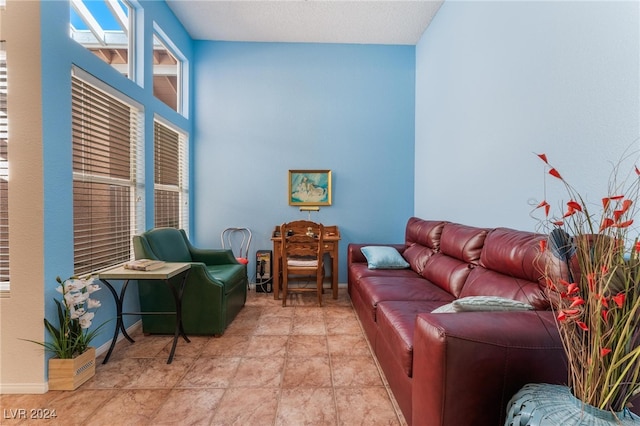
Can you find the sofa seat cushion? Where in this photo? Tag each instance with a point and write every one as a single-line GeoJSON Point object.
{"type": "Point", "coordinates": [359, 270]}
{"type": "Point", "coordinates": [396, 321]}
{"type": "Point", "coordinates": [373, 290]}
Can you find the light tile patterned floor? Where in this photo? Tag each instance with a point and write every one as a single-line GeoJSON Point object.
{"type": "Point", "coordinates": [297, 365]}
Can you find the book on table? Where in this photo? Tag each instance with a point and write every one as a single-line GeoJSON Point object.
{"type": "Point", "coordinates": [144, 264]}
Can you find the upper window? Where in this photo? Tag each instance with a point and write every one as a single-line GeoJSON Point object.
{"type": "Point", "coordinates": [108, 174]}
{"type": "Point", "coordinates": [171, 183]}
{"type": "Point", "coordinates": [105, 28]}
{"type": "Point", "coordinates": [167, 79]}
{"type": "Point", "coordinates": [4, 172]}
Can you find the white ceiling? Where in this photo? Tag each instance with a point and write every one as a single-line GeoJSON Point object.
{"type": "Point", "coordinates": [310, 21]}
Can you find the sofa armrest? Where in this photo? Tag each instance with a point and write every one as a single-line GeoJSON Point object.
{"type": "Point", "coordinates": [354, 254]}
{"type": "Point", "coordinates": [468, 365]}
{"type": "Point", "coordinates": [213, 256]}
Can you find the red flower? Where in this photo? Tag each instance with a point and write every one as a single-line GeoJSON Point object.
{"type": "Point", "coordinates": [619, 299]}
{"type": "Point", "coordinates": [604, 352]}
{"type": "Point", "coordinates": [624, 224]}
{"type": "Point", "coordinates": [543, 157]}
{"type": "Point", "coordinates": [572, 288]}
{"type": "Point", "coordinates": [577, 301]}
{"type": "Point", "coordinates": [606, 223]}
{"type": "Point", "coordinates": [605, 315]}
{"type": "Point", "coordinates": [553, 172]}
{"type": "Point", "coordinates": [546, 206]}
{"type": "Point", "coordinates": [637, 247]}
{"type": "Point", "coordinates": [637, 171]}
{"type": "Point", "coordinates": [582, 325]}
{"type": "Point", "coordinates": [574, 205]}
{"type": "Point", "coordinates": [558, 223]}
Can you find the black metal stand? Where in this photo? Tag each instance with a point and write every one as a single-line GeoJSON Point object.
{"type": "Point", "coordinates": [177, 295]}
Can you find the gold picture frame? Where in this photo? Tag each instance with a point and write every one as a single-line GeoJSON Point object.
{"type": "Point", "coordinates": [309, 187]}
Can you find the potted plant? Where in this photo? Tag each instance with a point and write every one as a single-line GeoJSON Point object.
{"type": "Point", "coordinates": [596, 302]}
{"type": "Point", "coordinates": [74, 360]}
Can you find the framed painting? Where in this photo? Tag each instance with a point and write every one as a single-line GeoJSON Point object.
{"type": "Point", "coordinates": [309, 187]}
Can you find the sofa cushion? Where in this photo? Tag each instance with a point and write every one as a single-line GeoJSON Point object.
{"type": "Point", "coordinates": [417, 255]}
{"type": "Point", "coordinates": [373, 290]}
{"type": "Point", "coordinates": [447, 272]}
{"type": "Point", "coordinates": [462, 242]}
{"type": "Point", "coordinates": [396, 322]}
{"type": "Point", "coordinates": [489, 304]}
{"type": "Point", "coordinates": [384, 257]}
{"type": "Point", "coordinates": [424, 232]}
{"type": "Point", "coordinates": [508, 268]}
{"type": "Point", "coordinates": [485, 282]}
{"type": "Point", "coordinates": [168, 244]}
{"type": "Point", "coordinates": [359, 270]}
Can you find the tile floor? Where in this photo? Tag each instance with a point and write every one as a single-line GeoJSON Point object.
{"type": "Point", "coordinates": [298, 365]}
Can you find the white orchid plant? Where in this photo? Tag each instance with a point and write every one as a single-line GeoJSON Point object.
{"type": "Point", "coordinates": [72, 337]}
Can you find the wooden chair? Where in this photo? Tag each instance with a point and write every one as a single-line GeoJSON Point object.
{"type": "Point", "coordinates": [302, 253]}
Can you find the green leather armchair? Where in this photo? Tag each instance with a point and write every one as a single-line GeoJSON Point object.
{"type": "Point", "coordinates": [215, 291]}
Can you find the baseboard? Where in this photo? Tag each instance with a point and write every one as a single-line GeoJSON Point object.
{"type": "Point", "coordinates": [38, 388]}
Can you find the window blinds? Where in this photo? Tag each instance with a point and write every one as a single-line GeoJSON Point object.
{"type": "Point", "coordinates": [107, 177]}
{"type": "Point", "coordinates": [170, 177]}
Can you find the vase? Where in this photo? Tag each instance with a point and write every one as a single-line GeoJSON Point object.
{"type": "Point", "coordinates": [69, 374]}
{"type": "Point", "coordinates": [543, 404]}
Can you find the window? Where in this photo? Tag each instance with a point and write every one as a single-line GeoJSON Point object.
{"type": "Point", "coordinates": [4, 173]}
{"type": "Point", "coordinates": [104, 27]}
{"type": "Point", "coordinates": [169, 72]}
{"type": "Point", "coordinates": [171, 189]}
{"type": "Point", "coordinates": [108, 174]}
{"type": "Point", "coordinates": [165, 74]}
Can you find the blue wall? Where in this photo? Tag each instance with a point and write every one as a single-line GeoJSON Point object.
{"type": "Point", "coordinates": [262, 109]}
{"type": "Point", "coordinates": [497, 82]}
{"type": "Point", "coordinates": [59, 54]}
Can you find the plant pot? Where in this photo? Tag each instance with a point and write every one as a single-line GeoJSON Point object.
{"type": "Point", "coordinates": [69, 374]}
{"type": "Point", "coordinates": [550, 405]}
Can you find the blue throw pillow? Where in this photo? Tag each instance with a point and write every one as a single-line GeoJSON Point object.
{"type": "Point", "coordinates": [384, 257]}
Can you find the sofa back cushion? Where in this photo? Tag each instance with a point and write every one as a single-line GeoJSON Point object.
{"type": "Point", "coordinates": [510, 266]}
{"type": "Point", "coordinates": [460, 248]}
{"type": "Point", "coordinates": [168, 244]}
{"type": "Point", "coordinates": [462, 242]}
{"type": "Point", "coordinates": [422, 239]}
{"type": "Point", "coordinates": [424, 232]}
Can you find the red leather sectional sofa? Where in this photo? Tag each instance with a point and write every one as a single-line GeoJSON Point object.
{"type": "Point", "coordinates": [457, 369]}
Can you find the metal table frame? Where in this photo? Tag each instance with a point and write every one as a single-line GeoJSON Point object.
{"type": "Point", "coordinates": [167, 271]}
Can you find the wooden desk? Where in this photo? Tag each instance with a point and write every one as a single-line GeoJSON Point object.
{"type": "Point", "coordinates": [331, 241]}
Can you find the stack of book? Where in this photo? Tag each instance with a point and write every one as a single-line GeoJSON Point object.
{"type": "Point", "coordinates": [144, 264]}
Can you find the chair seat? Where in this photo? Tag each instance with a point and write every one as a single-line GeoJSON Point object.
{"type": "Point", "coordinates": [299, 263]}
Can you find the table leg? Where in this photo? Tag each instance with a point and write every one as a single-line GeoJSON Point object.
{"type": "Point", "coordinates": [276, 275]}
{"type": "Point", "coordinates": [334, 273]}
{"type": "Point", "coordinates": [177, 295]}
{"type": "Point", "coordinates": [119, 322]}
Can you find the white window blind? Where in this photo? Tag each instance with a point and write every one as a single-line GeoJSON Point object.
{"type": "Point", "coordinates": [4, 171]}
{"type": "Point", "coordinates": [171, 171]}
{"type": "Point", "coordinates": [108, 183]}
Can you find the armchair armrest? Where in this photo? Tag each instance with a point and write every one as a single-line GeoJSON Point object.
{"type": "Point", "coordinates": [209, 256]}
{"type": "Point", "coordinates": [212, 256]}
{"type": "Point", "coordinates": [468, 365]}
